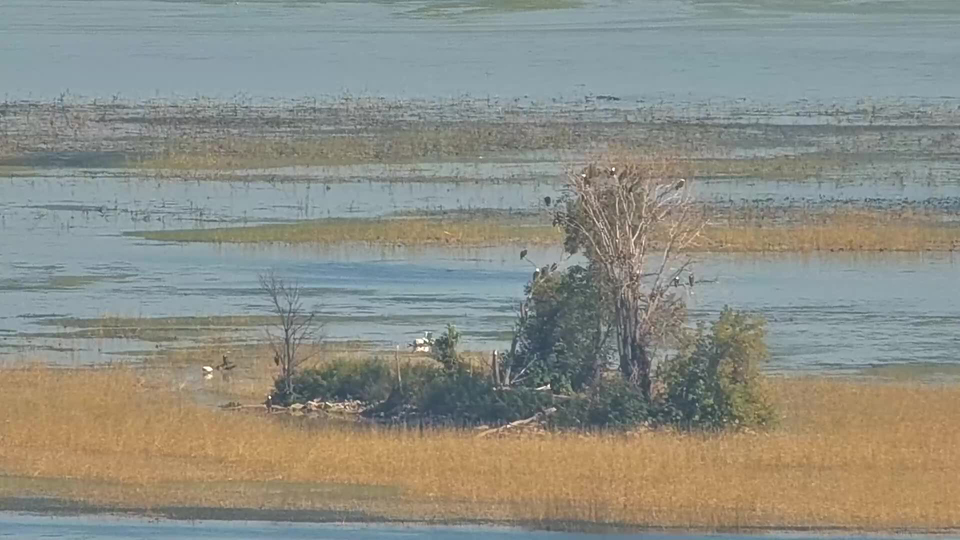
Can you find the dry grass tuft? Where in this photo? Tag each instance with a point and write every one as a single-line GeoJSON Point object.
{"type": "Point", "coordinates": [850, 454]}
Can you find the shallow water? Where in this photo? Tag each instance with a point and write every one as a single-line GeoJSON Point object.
{"type": "Point", "coordinates": [30, 527]}
{"type": "Point", "coordinates": [65, 256]}
{"type": "Point", "coordinates": [770, 50]}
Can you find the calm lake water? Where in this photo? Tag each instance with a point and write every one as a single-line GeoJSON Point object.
{"type": "Point", "coordinates": [65, 255]}
{"type": "Point", "coordinates": [770, 50]}
{"type": "Point", "coordinates": [31, 527]}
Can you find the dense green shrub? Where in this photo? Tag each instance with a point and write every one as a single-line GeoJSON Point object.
{"type": "Point", "coordinates": [368, 380]}
{"type": "Point", "coordinates": [716, 381]}
{"type": "Point", "coordinates": [561, 335]}
{"type": "Point", "coordinates": [468, 396]}
{"type": "Point", "coordinates": [445, 348]}
{"type": "Point", "coordinates": [610, 403]}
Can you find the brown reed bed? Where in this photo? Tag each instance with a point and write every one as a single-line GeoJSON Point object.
{"type": "Point", "coordinates": [469, 140]}
{"type": "Point", "coordinates": [197, 137]}
{"type": "Point", "coordinates": [849, 455]}
{"type": "Point", "coordinates": [390, 232]}
{"type": "Point", "coordinates": [767, 230]}
{"type": "Point", "coordinates": [835, 230]}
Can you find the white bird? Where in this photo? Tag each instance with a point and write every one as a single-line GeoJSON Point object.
{"type": "Point", "coordinates": [207, 372]}
{"type": "Point", "coordinates": [424, 344]}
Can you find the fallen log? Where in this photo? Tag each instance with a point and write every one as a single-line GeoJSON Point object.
{"type": "Point", "coordinates": [517, 423]}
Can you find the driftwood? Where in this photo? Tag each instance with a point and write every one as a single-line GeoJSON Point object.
{"type": "Point", "coordinates": [525, 422]}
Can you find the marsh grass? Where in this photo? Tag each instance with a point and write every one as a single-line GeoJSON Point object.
{"type": "Point", "coordinates": [835, 230]}
{"type": "Point", "coordinates": [473, 232]}
{"type": "Point", "coordinates": [768, 230]}
{"type": "Point", "coordinates": [450, 142]}
{"type": "Point", "coordinates": [849, 454]}
{"type": "Point", "coordinates": [207, 138]}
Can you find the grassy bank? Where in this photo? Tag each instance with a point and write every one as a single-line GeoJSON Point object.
{"type": "Point", "coordinates": [848, 455]}
{"type": "Point", "coordinates": [843, 230]}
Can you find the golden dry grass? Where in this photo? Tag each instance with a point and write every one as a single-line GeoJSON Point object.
{"type": "Point", "coordinates": [849, 454]}
{"type": "Point", "coordinates": [397, 146]}
{"type": "Point", "coordinates": [473, 232]}
{"type": "Point", "coordinates": [840, 230]}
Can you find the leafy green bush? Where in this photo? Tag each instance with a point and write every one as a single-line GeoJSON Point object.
{"type": "Point", "coordinates": [467, 396]}
{"type": "Point", "coordinates": [561, 335]}
{"type": "Point", "coordinates": [369, 380]}
{"type": "Point", "coordinates": [445, 348]}
{"type": "Point", "coordinates": [716, 382]}
{"type": "Point", "coordinates": [610, 403]}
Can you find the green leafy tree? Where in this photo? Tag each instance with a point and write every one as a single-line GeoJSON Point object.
{"type": "Point", "coordinates": [716, 382]}
{"type": "Point", "coordinates": [562, 340]}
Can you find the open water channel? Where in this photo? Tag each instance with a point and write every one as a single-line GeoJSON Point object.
{"type": "Point", "coordinates": [31, 527]}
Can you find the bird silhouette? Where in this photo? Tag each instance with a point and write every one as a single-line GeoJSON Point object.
{"type": "Point", "coordinates": [691, 280]}
{"type": "Point", "coordinates": [547, 200]}
{"type": "Point", "coordinates": [523, 253]}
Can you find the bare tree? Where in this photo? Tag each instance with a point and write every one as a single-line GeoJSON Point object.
{"type": "Point", "coordinates": [295, 326]}
{"type": "Point", "coordinates": [633, 219]}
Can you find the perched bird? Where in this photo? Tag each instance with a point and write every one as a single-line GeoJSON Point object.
{"type": "Point", "coordinates": [207, 372]}
{"type": "Point", "coordinates": [226, 365]}
{"type": "Point", "coordinates": [679, 185]}
{"type": "Point", "coordinates": [676, 281]}
{"type": "Point", "coordinates": [691, 280]}
{"type": "Point", "coordinates": [276, 358]}
{"type": "Point", "coordinates": [523, 253]}
{"type": "Point", "coordinates": [547, 200]}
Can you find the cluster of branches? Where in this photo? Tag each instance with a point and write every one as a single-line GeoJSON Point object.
{"type": "Point", "coordinates": [633, 220]}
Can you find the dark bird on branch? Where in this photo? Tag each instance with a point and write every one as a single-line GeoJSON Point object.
{"type": "Point", "coordinates": [547, 200]}
{"type": "Point", "coordinates": [691, 280]}
{"type": "Point", "coordinates": [523, 253]}
{"type": "Point", "coordinates": [679, 185]}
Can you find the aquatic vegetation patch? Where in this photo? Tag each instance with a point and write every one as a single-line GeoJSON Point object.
{"type": "Point", "coordinates": [56, 282]}
{"type": "Point", "coordinates": [736, 229]}
{"type": "Point", "coordinates": [834, 231]}
{"type": "Point", "coordinates": [441, 8]}
{"type": "Point", "coordinates": [392, 232]}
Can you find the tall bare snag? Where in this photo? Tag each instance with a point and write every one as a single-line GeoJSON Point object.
{"type": "Point", "coordinates": [633, 219]}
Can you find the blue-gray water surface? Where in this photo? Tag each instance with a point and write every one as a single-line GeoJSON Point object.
{"type": "Point", "coordinates": [65, 255]}
{"type": "Point", "coordinates": [32, 527]}
{"type": "Point", "coordinates": [770, 50]}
